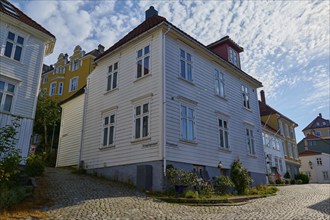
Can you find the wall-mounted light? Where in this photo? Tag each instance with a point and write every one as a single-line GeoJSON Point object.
{"type": "Point", "coordinates": [220, 165]}
{"type": "Point", "coordinates": [310, 164]}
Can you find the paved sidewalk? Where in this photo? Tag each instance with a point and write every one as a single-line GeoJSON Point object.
{"type": "Point", "coordinates": [84, 197]}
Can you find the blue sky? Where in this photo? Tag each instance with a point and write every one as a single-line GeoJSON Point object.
{"type": "Point", "coordinates": [286, 43]}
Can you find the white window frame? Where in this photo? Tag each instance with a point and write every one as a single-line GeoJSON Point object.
{"type": "Point", "coordinates": [219, 83]}
{"type": "Point", "coordinates": [59, 70]}
{"type": "Point", "coordinates": [52, 90]}
{"type": "Point", "coordinates": [250, 141]}
{"type": "Point", "coordinates": [276, 162]}
{"type": "Point", "coordinates": [318, 133]}
{"type": "Point", "coordinates": [186, 63]}
{"type": "Point", "coordinates": [60, 88]}
{"type": "Point", "coordinates": [319, 161]}
{"type": "Point", "coordinates": [245, 96]}
{"type": "Point", "coordinates": [280, 161]}
{"type": "Point", "coordinates": [15, 45]}
{"type": "Point", "coordinates": [4, 93]}
{"type": "Point", "coordinates": [287, 132]}
{"type": "Point", "coordinates": [290, 147]}
{"type": "Point", "coordinates": [233, 56]}
{"type": "Point", "coordinates": [75, 64]}
{"type": "Point", "coordinates": [284, 148]}
{"type": "Point", "coordinates": [188, 120]}
{"type": "Point", "coordinates": [223, 130]}
{"type": "Point", "coordinates": [45, 80]}
{"type": "Point", "coordinates": [71, 84]}
{"type": "Point", "coordinates": [143, 58]}
{"type": "Point", "coordinates": [113, 71]}
{"type": "Point", "coordinates": [280, 126]}
{"type": "Point", "coordinates": [141, 117]}
{"type": "Point", "coordinates": [292, 132]}
{"type": "Point", "coordinates": [107, 124]}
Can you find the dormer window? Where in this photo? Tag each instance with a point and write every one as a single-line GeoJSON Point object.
{"type": "Point", "coordinates": [75, 65]}
{"type": "Point", "coordinates": [233, 57]}
{"type": "Point", "coordinates": [60, 69]}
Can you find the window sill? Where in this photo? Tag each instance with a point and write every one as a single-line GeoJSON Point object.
{"type": "Point", "coordinates": [12, 60]}
{"type": "Point", "coordinates": [221, 97]}
{"type": "Point", "coordinates": [252, 156]}
{"type": "Point", "coordinates": [110, 91]}
{"type": "Point", "coordinates": [186, 81]}
{"type": "Point", "coordinates": [142, 77]}
{"type": "Point", "coordinates": [247, 109]}
{"type": "Point", "coordinates": [145, 139]}
{"type": "Point", "coordinates": [107, 147]}
{"type": "Point", "coordinates": [225, 150]}
{"type": "Point", "coordinates": [188, 142]}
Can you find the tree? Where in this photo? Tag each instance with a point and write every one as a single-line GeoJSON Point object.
{"type": "Point", "coordinates": [240, 177]}
{"type": "Point", "coordinates": [48, 115]}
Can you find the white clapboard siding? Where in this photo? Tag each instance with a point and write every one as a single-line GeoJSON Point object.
{"type": "Point", "coordinates": [70, 132]}
{"type": "Point", "coordinates": [124, 152]}
{"type": "Point", "coordinates": [23, 134]}
{"type": "Point", "coordinates": [206, 151]}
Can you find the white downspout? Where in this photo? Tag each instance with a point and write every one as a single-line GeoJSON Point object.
{"type": "Point", "coordinates": [164, 102]}
{"type": "Point", "coordinates": [83, 122]}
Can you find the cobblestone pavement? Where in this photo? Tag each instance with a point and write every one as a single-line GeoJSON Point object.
{"type": "Point", "coordinates": [85, 197]}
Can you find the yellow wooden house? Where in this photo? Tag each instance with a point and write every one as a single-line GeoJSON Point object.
{"type": "Point", "coordinates": [68, 75]}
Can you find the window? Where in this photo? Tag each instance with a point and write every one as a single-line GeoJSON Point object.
{"type": "Point", "coordinates": [60, 69]}
{"type": "Point", "coordinates": [281, 165]}
{"type": "Point", "coordinates": [141, 120]}
{"type": "Point", "coordinates": [185, 65]}
{"type": "Point", "coordinates": [7, 92]}
{"type": "Point", "coordinates": [45, 79]}
{"type": "Point", "coordinates": [287, 130]}
{"type": "Point", "coordinates": [284, 148]}
{"type": "Point", "coordinates": [317, 133]}
{"type": "Point", "coordinates": [52, 89]}
{"type": "Point", "coordinates": [325, 175]}
{"type": "Point", "coordinates": [246, 99]}
{"type": "Point", "coordinates": [295, 152]}
{"type": "Point", "coordinates": [276, 162]}
{"type": "Point", "coordinates": [14, 46]}
{"type": "Point", "coordinates": [108, 130]}
{"type": "Point", "coordinates": [233, 57]}
{"type": "Point", "coordinates": [292, 133]}
{"type": "Point", "coordinates": [223, 132]}
{"type": "Point", "coordinates": [219, 83]}
{"type": "Point", "coordinates": [280, 125]}
{"type": "Point", "coordinates": [60, 88]}
{"type": "Point", "coordinates": [290, 150]}
{"type": "Point", "coordinates": [143, 65]}
{"type": "Point", "coordinates": [187, 123]}
{"type": "Point", "coordinates": [250, 141]}
{"type": "Point", "coordinates": [112, 77]}
{"type": "Point", "coordinates": [73, 84]}
{"type": "Point", "coordinates": [311, 143]}
{"type": "Point", "coordinates": [75, 65]}
{"type": "Point", "coordinates": [319, 161]}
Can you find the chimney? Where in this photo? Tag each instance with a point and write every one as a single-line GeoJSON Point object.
{"type": "Point", "coordinates": [320, 115]}
{"type": "Point", "coordinates": [263, 99]}
{"type": "Point", "coordinates": [151, 12]}
{"type": "Point", "coordinates": [100, 48]}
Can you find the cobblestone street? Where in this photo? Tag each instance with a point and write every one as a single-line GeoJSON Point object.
{"type": "Point", "coordinates": [85, 197]}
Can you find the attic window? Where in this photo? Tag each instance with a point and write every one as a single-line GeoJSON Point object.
{"type": "Point", "coordinates": [8, 7]}
{"type": "Point", "coordinates": [233, 57]}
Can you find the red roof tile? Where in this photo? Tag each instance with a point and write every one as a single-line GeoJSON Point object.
{"type": "Point", "coordinates": [311, 136]}
{"type": "Point", "coordinates": [24, 18]}
{"type": "Point", "coordinates": [309, 152]}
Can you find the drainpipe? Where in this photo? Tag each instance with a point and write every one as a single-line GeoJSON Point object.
{"type": "Point", "coordinates": [83, 123]}
{"type": "Point", "coordinates": [164, 102]}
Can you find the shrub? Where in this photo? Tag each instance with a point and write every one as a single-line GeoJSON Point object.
{"type": "Point", "coordinates": [205, 189]}
{"type": "Point", "coordinates": [180, 177]}
{"type": "Point", "coordinates": [299, 181]}
{"type": "Point", "coordinates": [9, 155]}
{"type": "Point", "coordinates": [263, 190]}
{"type": "Point", "coordinates": [10, 195]}
{"type": "Point", "coordinates": [293, 181]}
{"type": "Point", "coordinates": [190, 194]}
{"type": "Point", "coordinates": [287, 175]}
{"type": "Point", "coordinates": [303, 177]}
{"type": "Point", "coordinates": [223, 184]}
{"type": "Point", "coordinates": [240, 177]}
{"type": "Point", "coordinates": [34, 165]}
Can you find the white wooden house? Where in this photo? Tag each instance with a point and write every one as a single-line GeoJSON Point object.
{"type": "Point", "coordinates": [23, 45]}
{"type": "Point", "coordinates": [159, 97]}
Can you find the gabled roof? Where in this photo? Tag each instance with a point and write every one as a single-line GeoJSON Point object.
{"type": "Point", "coordinates": [318, 122]}
{"type": "Point", "coordinates": [156, 20]}
{"type": "Point", "coordinates": [23, 18]}
{"type": "Point", "coordinates": [309, 152]}
{"type": "Point", "coordinates": [226, 39]}
{"type": "Point", "coordinates": [267, 110]}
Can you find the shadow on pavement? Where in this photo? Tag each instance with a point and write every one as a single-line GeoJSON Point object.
{"type": "Point", "coordinates": [323, 206]}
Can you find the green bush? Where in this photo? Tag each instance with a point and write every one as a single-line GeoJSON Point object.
{"type": "Point", "coordinates": [10, 195]}
{"type": "Point", "coordinates": [299, 181]}
{"type": "Point", "coordinates": [34, 165]}
{"type": "Point", "coordinates": [287, 175]}
{"type": "Point", "coordinates": [240, 177]}
{"type": "Point", "coordinates": [293, 181]}
{"type": "Point", "coordinates": [262, 190]}
{"type": "Point", "coordinates": [303, 177]}
{"type": "Point", "coordinates": [10, 157]}
{"type": "Point", "coordinates": [205, 189]}
{"type": "Point", "coordinates": [190, 194]}
{"type": "Point", "coordinates": [223, 184]}
{"type": "Point", "coordinates": [180, 177]}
